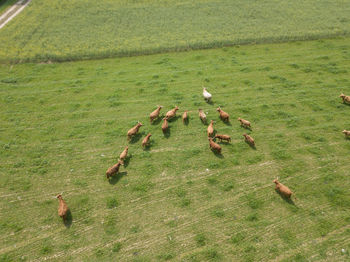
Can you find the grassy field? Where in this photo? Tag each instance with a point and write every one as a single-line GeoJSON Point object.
{"type": "Point", "coordinates": [82, 29]}
{"type": "Point", "coordinates": [62, 125]}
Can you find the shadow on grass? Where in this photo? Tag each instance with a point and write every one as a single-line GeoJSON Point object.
{"type": "Point", "coordinates": [228, 123]}
{"type": "Point", "coordinates": [127, 160]}
{"type": "Point", "coordinates": [69, 219]}
{"type": "Point", "coordinates": [210, 102]}
{"type": "Point", "coordinates": [217, 154]}
{"type": "Point", "coordinates": [136, 138]}
{"type": "Point", "coordinates": [173, 119]}
{"type": "Point", "coordinates": [345, 104]}
{"type": "Point", "coordinates": [249, 144]}
{"type": "Point", "coordinates": [166, 133]}
{"type": "Point", "coordinates": [247, 127]}
{"type": "Point", "coordinates": [288, 200]}
{"type": "Point", "coordinates": [149, 145]}
{"type": "Point", "coordinates": [114, 179]}
{"type": "Point", "coordinates": [187, 121]}
{"type": "Point", "coordinates": [157, 121]}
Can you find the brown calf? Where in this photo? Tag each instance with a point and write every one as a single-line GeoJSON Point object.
{"type": "Point", "coordinates": [155, 114]}
{"type": "Point", "coordinates": [171, 113]}
{"type": "Point", "coordinates": [346, 133]}
{"type": "Point", "coordinates": [210, 129]}
{"type": "Point", "coordinates": [62, 208]}
{"type": "Point", "coordinates": [165, 125]}
{"type": "Point", "coordinates": [285, 191]}
{"type": "Point", "coordinates": [223, 115]}
{"type": "Point", "coordinates": [223, 137]}
{"type": "Point", "coordinates": [113, 169]}
{"type": "Point", "coordinates": [124, 154]}
{"type": "Point", "coordinates": [249, 139]}
{"type": "Point", "coordinates": [185, 117]}
{"type": "Point", "coordinates": [214, 146]}
{"type": "Point", "coordinates": [202, 115]}
{"type": "Point", "coordinates": [346, 99]}
{"type": "Point", "coordinates": [244, 122]}
{"type": "Point", "coordinates": [145, 141]}
{"type": "Point", "coordinates": [133, 131]}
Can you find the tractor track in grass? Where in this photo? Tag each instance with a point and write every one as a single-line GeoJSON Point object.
{"type": "Point", "coordinates": [13, 11]}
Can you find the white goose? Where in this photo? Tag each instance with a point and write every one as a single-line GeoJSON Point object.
{"type": "Point", "coordinates": [206, 94]}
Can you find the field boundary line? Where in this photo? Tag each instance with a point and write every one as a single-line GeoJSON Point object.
{"type": "Point", "coordinates": [17, 7]}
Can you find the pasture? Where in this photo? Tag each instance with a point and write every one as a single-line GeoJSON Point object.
{"type": "Point", "coordinates": [63, 124]}
{"type": "Point", "coordinates": [63, 30]}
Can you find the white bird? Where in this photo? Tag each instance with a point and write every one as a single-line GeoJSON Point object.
{"type": "Point", "coordinates": [206, 94]}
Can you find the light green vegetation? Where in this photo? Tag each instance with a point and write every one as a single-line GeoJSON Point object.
{"type": "Point", "coordinates": [4, 4]}
{"type": "Point", "coordinates": [82, 29]}
{"type": "Point", "coordinates": [63, 125]}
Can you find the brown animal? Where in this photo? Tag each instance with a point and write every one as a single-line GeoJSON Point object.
{"type": "Point", "coordinates": [145, 141]}
{"type": "Point", "coordinates": [62, 208]}
{"type": "Point", "coordinates": [346, 133]}
{"type": "Point", "coordinates": [244, 123]}
{"type": "Point", "coordinates": [155, 114]}
{"type": "Point", "coordinates": [202, 115]}
{"type": "Point", "coordinates": [113, 169]}
{"type": "Point", "coordinates": [171, 113]}
{"type": "Point", "coordinates": [165, 125]}
{"type": "Point", "coordinates": [223, 137]}
{"type": "Point", "coordinates": [223, 115]}
{"type": "Point", "coordinates": [210, 129]}
{"type": "Point", "coordinates": [133, 131]}
{"type": "Point", "coordinates": [185, 117]}
{"type": "Point", "coordinates": [346, 99]}
{"type": "Point", "coordinates": [285, 191]}
{"type": "Point", "coordinates": [249, 139]}
{"type": "Point", "coordinates": [214, 146]}
{"type": "Point", "coordinates": [124, 154]}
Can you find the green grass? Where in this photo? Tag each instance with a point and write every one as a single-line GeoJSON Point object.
{"type": "Point", "coordinates": [63, 124]}
{"type": "Point", "coordinates": [61, 30]}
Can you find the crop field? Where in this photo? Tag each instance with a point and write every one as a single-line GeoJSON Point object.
{"type": "Point", "coordinates": [61, 30]}
{"type": "Point", "coordinates": [63, 124]}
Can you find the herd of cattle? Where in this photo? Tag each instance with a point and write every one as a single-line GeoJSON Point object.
{"type": "Point", "coordinates": [112, 171]}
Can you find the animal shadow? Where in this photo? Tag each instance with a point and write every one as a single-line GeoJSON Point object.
{"type": "Point", "coordinates": [187, 121]}
{"type": "Point", "coordinates": [288, 200]}
{"type": "Point", "coordinates": [173, 119]}
{"type": "Point", "coordinates": [157, 121]}
{"type": "Point", "coordinates": [127, 160]}
{"type": "Point", "coordinates": [136, 138]}
{"type": "Point", "coordinates": [114, 179]}
{"type": "Point", "coordinates": [228, 123]}
{"type": "Point", "coordinates": [166, 133]}
{"type": "Point", "coordinates": [251, 146]}
{"type": "Point", "coordinates": [247, 127]}
{"type": "Point", "coordinates": [210, 102]}
{"type": "Point", "coordinates": [205, 122]}
{"type": "Point", "coordinates": [149, 145]}
{"type": "Point", "coordinates": [69, 219]}
{"type": "Point", "coordinates": [217, 154]}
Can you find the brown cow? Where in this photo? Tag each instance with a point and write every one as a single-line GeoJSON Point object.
{"type": "Point", "coordinates": [214, 146]}
{"type": "Point", "coordinates": [133, 131]}
{"type": "Point", "coordinates": [249, 139]}
{"type": "Point", "coordinates": [171, 113]}
{"type": "Point", "coordinates": [113, 169]}
{"type": "Point", "coordinates": [285, 191]}
{"type": "Point", "coordinates": [124, 154]}
{"type": "Point", "coordinates": [185, 117]}
{"type": "Point", "coordinates": [210, 130]}
{"type": "Point", "coordinates": [223, 115]}
{"type": "Point", "coordinates": [223, 137]}
{"type": "Point", "coordinates": [62, 208]}
{"type": "Point", "coordinates": [145, 141]}
{"type": "Point", "coordinates": [155, 114]}
{"type": "Point", "coordinates": [346, 99]}
{"type": "Point", "coordinates": [244, 123]}
{"type": "Point", "coordinates": [346, 133]}
{"type": "Point", "coordinates": [165, 125]}
{"type": "Point", "coordinates": [202, 115]}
